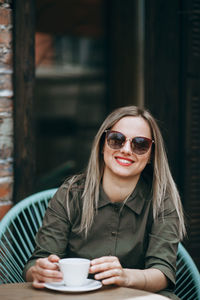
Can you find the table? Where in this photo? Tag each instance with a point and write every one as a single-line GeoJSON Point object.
{"type": "Point", "coordinates": [25, 291]}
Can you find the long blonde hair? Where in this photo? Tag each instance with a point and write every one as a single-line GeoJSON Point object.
{"type": "Point", "coordinates": [162, 183]}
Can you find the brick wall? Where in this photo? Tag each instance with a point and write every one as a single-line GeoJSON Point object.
{"type": "Point", "coordinates": [6, 107]}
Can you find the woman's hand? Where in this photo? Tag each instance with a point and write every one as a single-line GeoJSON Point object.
{"type": "Point", "coordinates": [109, 270]}
{"type": "Point", "coordinates": [45, 270]}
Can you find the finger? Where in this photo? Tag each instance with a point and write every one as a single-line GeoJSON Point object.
{"type": "Point", "coordinates": [100, 268]}
{"type": "Point", "coordinates": [105, 266]}
{"type": "Point", "coordinates": [53, 258]}
{"type": "Point", "coordinates": [40, 278]}
{"type": "Point", "coordinates": [38, 285]}
{"type": "Point", "coordinates": [108, 274]}
{"type": "Point", "coordinates": [46, 273]}
{"type": "Point", "coordinates": [41, 284]}
{"type": "Point", "coordinates": [112, 280]}
{"type": "Point", "coordinates": [103, 259]}
{"type": "Point", "coordinates": [46, 264]}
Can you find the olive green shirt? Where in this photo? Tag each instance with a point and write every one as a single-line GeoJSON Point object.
{"type": "Point", "coordinates": [126, 230]}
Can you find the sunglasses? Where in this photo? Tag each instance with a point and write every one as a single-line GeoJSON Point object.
{"type": "Point", "coordinates": [116, 140]}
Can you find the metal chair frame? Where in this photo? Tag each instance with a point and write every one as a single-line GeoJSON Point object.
{"type": "Point", "coordinates": [187, 276]}
{"type": "Point", "coordinates": [17, 234]}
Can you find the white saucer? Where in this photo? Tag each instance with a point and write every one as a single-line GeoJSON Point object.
{"type": "Point", "coordinates": [60, 286]}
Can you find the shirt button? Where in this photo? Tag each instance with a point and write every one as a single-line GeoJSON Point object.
{"type": "Point", "coordinates": [113, 233]}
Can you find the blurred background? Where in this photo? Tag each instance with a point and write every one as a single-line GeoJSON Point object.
{"type": "Point", "coordinates": [76, 60]}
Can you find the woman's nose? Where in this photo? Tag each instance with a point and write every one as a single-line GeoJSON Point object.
{"type": "Point", "coordinates": [127, 147]}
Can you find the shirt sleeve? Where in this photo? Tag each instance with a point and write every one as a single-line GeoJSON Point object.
{"type": "Point", "coordinates": [163, 243]}
{"type": "Point", "coordinates": [52, 237]}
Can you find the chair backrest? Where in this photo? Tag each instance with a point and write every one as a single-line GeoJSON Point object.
{"type": "Point", "coordinates": [187, 276]}
{"type": "Point", "coordinates": [17, 234]}
{"type": "Point", "coordinates": [17, 242]}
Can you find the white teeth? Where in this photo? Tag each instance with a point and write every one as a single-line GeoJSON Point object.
{"type": "Point", "coordinates": [124, 161]}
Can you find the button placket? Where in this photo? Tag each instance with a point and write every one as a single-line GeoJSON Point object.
{"type": "Point", "coordinates": [114, 233]}
{"type": "Point", "coordinates": [114, 230]}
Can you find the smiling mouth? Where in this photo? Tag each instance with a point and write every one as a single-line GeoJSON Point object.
{"type": "Point", "coordinates": [124, 161]}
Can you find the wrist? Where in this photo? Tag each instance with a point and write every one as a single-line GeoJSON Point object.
{"type": "Point", "coordinates": [136, 279]}
{"type": "Point", "coordinates": [29, 275]}
{"type": "Point", "coordinates": [152, 280]}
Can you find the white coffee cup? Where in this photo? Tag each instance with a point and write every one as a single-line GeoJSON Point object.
{"type": "Point", "coordinates": [75, 270]}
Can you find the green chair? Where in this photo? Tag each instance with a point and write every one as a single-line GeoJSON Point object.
{"type": "Point", "coordinates": [187, 276]}
{"type": "Point", "coordinates": [17, 234]}
{"type": "Point", "coordinates": [17, 242]}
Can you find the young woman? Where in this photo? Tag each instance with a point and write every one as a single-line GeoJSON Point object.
{"type": "Point", "coordinates": [124, 213]}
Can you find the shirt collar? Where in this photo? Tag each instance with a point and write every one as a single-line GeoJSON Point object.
{"type": "Point", "coordinates": [103, 198]}
{"type": "Point", "coordinates": [136, 200]}
{"type": "Point", "coordinates": [140, 195]}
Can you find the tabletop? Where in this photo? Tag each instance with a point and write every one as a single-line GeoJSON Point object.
{"type": "Point", "coordinates": [24, 291]}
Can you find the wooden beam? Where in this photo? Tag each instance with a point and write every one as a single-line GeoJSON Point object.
{"type": "Point", "coordinates": [72, 17]}
{"type": "Point", "coordinates": [190, 97]}
{"type": "Point", "coordinates": [162, 67]}
{"type": "Point", "coordinates": [172, 88]}
{"type": "Point", "coordinates": [23, 81]}
{"type": "Point", "coordinates": [125, 53]}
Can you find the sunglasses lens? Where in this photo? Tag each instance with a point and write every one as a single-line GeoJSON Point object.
{"type": "Point", "coordinates": [141, 145]}
{"type": "Point", "coordinates": [115, 140]}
